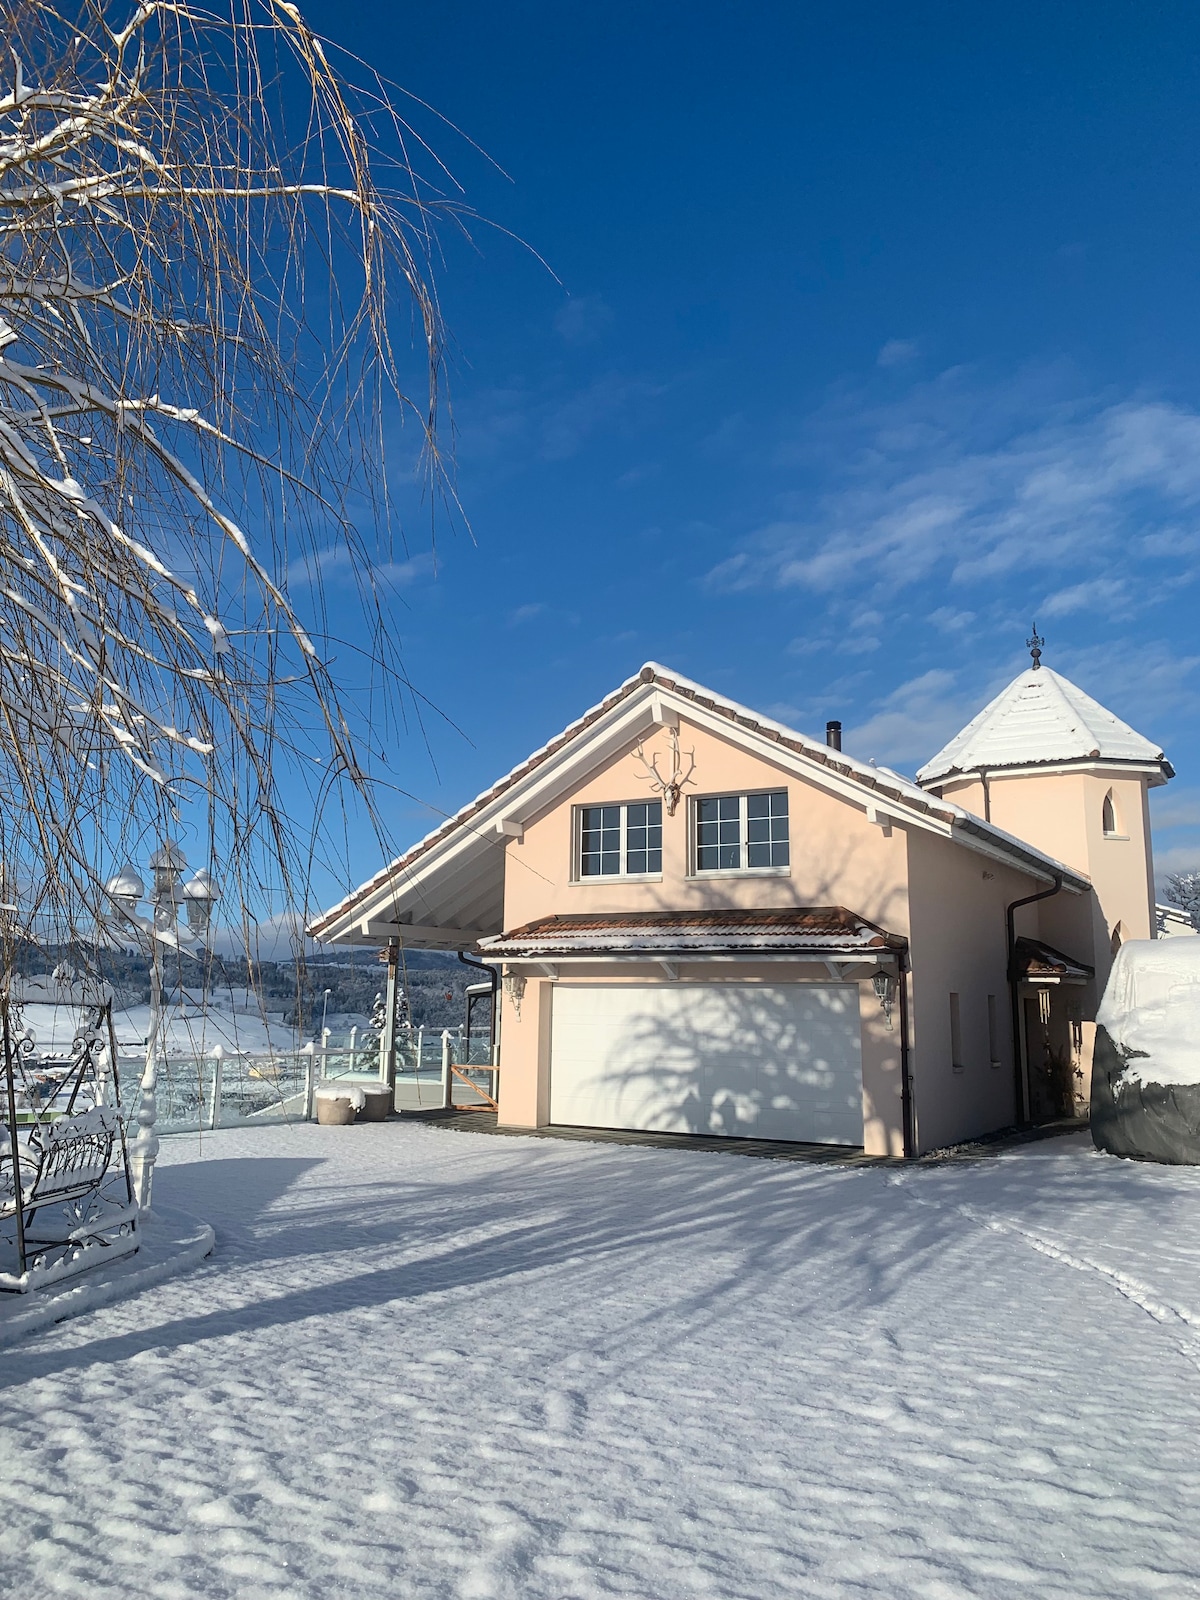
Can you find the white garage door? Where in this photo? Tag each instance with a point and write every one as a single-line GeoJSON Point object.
{"type": "Point", "coordinates": [778, 1062]}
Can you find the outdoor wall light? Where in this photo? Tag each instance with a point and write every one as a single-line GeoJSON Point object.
{"type": "Point", "coordinates": [514, 991]}
{"type": "Point", "coordinates": [884, 986]}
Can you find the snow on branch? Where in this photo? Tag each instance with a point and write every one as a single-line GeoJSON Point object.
{"type": "Point", "coordinates": [201, 264]}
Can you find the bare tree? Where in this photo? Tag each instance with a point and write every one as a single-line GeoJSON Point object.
{"type": "Point", "coordinates": [1183, 890]}
{"type": "Point", "coordinates": [205, 237]}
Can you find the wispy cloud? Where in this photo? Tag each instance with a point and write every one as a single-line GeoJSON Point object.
{"type": "Point", "coordinates": [525, 613]}
{"type": "Point", "coordinates": [956, 484]}
{"type": "Point", "coordinates": [338, 564]}
{"type": "Point", "coordinates": [582, 319]}
{"type": "Point", "coordinates": [1097, 594]}
{"type": "Point", "coordinates": [914, 720]}
{"type": "Point", "coordinates": [897, 353]}
{"type": "Point", "coordinates": [518, 426]}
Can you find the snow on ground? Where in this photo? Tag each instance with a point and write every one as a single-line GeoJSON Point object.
{"type": "Point", "coordinates": [235, 1022]}
{"type": "Point", "coordinates": [427, 1363]}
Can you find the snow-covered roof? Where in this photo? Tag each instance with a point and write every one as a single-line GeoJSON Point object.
{"type": "Point", "coordinates": [821, 931]}
{"type": "Point", "coordinates": [1042, 719]}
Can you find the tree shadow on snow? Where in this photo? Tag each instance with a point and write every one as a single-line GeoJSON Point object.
{"type": "Point", "coordinates": [241, 1188]}
{"type": "Point", "coordinates": [846, 1241]}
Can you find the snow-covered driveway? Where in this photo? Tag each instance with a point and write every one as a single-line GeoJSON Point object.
{"type": "Point", "coordinates": [428, 1363]}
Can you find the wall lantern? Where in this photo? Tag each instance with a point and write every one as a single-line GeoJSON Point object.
{"type": "Point", "coordinates": [514, 991]}
{"type": "Point", "coordinates": [884, 986]}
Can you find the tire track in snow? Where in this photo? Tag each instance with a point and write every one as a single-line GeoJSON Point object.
{"type": "Point", "coordinates": [1139, 1294]}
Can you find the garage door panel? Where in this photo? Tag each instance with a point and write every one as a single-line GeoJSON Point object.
{"type": "Point", "coordinates": [769, 1062]}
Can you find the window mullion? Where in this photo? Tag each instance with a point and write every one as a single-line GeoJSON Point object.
{"type": "Point", "coordinates": [744, 830]}
{"type": "Point", "coordinates": [623, 858]}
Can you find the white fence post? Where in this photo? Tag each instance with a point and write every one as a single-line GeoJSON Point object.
{"type": "Point", "coordinates": [218, 1061]}
{"type": "Point", "coordinates": [309, 1053]}
{"type": "Point", "coordinates": [354, 1048]}
{"type": "Point", "coordinates": [447, 1075]}
{"type": "Point", "coordinates": [387, 1038]}
{"type": "Point", "coordinates": [420, 1050]}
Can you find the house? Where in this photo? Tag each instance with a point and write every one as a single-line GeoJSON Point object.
{"type": "Point", "coordinates": [708, 922]}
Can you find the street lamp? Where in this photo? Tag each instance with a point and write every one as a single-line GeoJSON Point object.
{"type": "Point", "coordinates": [161, 927]}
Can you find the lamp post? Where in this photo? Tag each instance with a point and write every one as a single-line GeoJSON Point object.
{"type": "Point", "coordinates": [160, 928]}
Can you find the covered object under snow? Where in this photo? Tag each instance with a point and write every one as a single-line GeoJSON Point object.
{"type": "Point", "coordinates": [1146, 1068]}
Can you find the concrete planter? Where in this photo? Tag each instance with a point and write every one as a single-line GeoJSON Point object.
{"type": "Point", "coordinates": [378, 1097]}
{"type": "Point", "coordinates": [333, 1113]}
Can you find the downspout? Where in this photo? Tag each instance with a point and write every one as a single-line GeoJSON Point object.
{"type": "Point", "coordinates": [1014, 991]}
{"type": "Point", "coordinates": [906, 1094]}
{"type": "Point", "coordinates": [494, 974]}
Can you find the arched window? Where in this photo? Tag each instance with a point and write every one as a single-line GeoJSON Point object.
{"type": "Point", "coordinates": [1109, 817]}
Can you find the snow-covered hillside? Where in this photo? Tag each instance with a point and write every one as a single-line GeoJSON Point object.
{"type": "Point", "coordinates": [234, 1021]}
{"type": "Point", "coordinates": [429, 1364]}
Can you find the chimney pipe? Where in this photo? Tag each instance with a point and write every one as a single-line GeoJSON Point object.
{"type": "Point", "coordinates": [833, 735]}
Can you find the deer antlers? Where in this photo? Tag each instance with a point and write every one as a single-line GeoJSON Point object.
{"type": "Point", "coordinates": [670, 788]}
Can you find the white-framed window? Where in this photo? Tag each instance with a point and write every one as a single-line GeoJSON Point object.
{"type": "Point", "coordinates": [618, 841]}
{"type": "Point", "coordinates": [740, 832]}
{"type": "Point", "coordinates": [1109, 821]}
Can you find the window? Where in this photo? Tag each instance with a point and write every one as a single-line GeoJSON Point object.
{"type": "Point", "coordinates": [740, 832]}
{"type": "Point", "coordinates": [956, 1050]}
{"type": "Point", "coordinates": [620, 841]}
{"type": "Point", "coordinates": [1109, 818]}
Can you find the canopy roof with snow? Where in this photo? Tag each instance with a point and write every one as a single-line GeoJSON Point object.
{"type": "Point", "coordinates": [1043, 719]}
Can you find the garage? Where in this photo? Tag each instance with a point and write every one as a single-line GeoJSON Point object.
{"type": "Point", "coordinates": [760, 1061]}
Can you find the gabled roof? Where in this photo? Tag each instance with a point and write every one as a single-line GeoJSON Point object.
{"type": "Point", "coordinates": [819, 931]}
{"type": "Point", "coordinates": [1042, 719]}
{"type": "Point", "coordinates": [447, 891]}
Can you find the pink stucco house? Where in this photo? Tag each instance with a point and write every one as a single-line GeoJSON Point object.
{"type": "Point", "coordinates": [710, 923]}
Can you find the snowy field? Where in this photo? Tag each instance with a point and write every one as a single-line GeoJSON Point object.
{"type": "Point", "coordinates": [428, 1363]}
{"type": "Point", "coordinates": [234, 1021]}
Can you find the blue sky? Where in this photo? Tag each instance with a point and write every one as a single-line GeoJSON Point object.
{"type": "Point", "coordinates": [877, 336]}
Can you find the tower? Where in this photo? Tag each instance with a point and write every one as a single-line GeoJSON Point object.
{"type": "Point", "coordinates": [1046, 762]}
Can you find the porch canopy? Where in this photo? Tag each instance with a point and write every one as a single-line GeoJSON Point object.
{"type": "Point", "coordinates": [825, 934]}
{"type": "Point", "coordinates": [1038, 963]}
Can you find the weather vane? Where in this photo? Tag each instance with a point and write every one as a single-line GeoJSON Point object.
{"type": "Point", "coordinates": [1035, 647]}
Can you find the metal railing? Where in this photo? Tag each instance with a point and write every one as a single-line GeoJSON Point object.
{"type": "Point", "coordinates": [240, 1089]}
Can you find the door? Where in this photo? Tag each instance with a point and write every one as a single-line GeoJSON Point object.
{"type": "Point", "coordinates": [780, 1061]}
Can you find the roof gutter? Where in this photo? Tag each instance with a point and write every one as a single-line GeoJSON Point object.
{"type": "Point", "coordinates": [1012, 853]}
{"type": "Point", "coordinates": [907, 1119]}
{"type": "Point", "coordinates": [1019, 1076]}
{"type": "Point", "coordinates": [493, 974]}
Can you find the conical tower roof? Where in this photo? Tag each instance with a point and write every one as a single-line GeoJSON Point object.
{"type": "Point", "coordinates": [1041, 719]}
